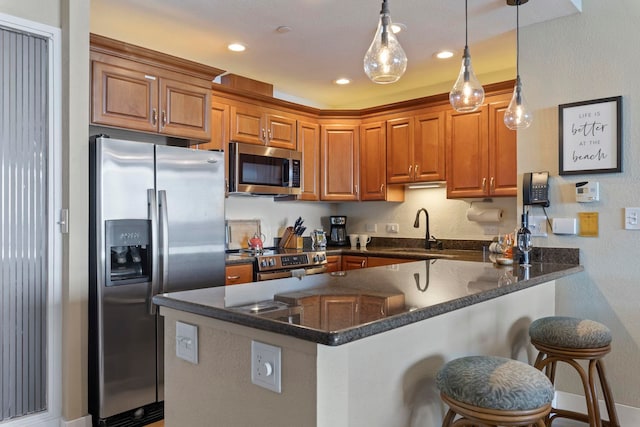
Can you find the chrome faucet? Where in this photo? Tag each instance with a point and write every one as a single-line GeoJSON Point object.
{"type": "Point", "coordinates": [416, 224]}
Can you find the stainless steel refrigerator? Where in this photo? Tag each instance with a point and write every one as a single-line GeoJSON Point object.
{"type": "Point", "coordinates": [156, 225]}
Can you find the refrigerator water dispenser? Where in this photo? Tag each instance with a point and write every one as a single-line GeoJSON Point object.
{"type": "Point", "coordinates": [128, 244]}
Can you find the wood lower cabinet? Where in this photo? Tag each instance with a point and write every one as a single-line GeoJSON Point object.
{"type": "Point", "coordinates": [238, 273]}
{"type": "Point", "coordinates": [481, 152]}
{"type": "Point", "coordinates": [381, 261]}
{"type": "Point", "coordinates": [334, 263]}
{"type": "Point", "coordinates": [339, 162]}
{"type": "Point", "coordinates": [353, 262]}
{"type": "Point", "coordinates": [139, 89]}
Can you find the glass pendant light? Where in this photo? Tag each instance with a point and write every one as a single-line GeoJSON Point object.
{"type": "Point", "coordinates": [517, 116]}
{"type": "Point", "coordinates": [467, 93]}
{"type": "Point", "coordinates": [385, 61]}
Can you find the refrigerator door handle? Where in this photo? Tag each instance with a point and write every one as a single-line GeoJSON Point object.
{"type": "Point", "coordinates": [155, 259]}
{"type": "Point", "coordinates": [164, 239]}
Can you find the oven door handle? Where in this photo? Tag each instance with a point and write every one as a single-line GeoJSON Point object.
{"type": "Point", "coordinates": [290, 273]}
{"type": "Point", "coordinates": [316, 270]}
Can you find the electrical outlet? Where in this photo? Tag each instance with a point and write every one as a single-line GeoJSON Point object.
{"type": "Point", "coordinates": [393, 228]}
{"type": "Point", "coordinates": [187, 342]}
{"type": "Point", "coordinates": [371, 228]}
{"type": "Point", "coordinates": [491, 230]}
{"type": "Point", "coordinates": [538, 226]}
{"type": "Point", "coordinates": [266, 366]}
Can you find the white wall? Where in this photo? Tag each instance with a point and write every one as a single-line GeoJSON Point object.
{"type": "Point", "coordinates": [589, 56]}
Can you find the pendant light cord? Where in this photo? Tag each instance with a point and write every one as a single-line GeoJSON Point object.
{"type": "Point", "coordinates": [466, 24]}
{"type": "Point", "coordinates": [518, 38]}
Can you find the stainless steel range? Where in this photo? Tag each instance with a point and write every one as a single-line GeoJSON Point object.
{"type": "Point", "coordinates": [283, 263]}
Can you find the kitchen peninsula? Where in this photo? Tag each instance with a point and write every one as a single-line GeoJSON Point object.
{"type": "Point", "coordinates": [373, 372]}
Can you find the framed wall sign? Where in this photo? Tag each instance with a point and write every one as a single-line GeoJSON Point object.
{"type": "Point", "coordinates": [591, 136]}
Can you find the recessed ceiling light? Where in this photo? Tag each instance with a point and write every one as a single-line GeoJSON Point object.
{"type": "Point", "coordinates": [444, 54]}
{"type": "Point", "coordinates": [397, 27]}
{"type": "Point", "coordinates": [284, 29]}
{"type": "Point", "coordinates": [236, 47]}
{"type": "Point", "coordinates": [342, 81]}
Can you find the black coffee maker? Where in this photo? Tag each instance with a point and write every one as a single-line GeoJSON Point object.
{"type": "Point", "coordinates": [338, 233]}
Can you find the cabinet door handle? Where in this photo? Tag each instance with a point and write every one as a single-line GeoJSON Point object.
{"type": "Point", "coordinates": [484, 184]}
{"type": "Point", "coordinates": [164, 118]}
{"type": "Point", "coordinates": [233, 277]}
{"type": "Point", "coordinates": [410, 169]}
{"type": "Point", "coordinates": [264, 135]}
{"type": "Point", "coordinates": [362, 263]}
{"type": "Point", "coordinates": [381, 188]}
{"type": "Point", "coordinates": [269, 134]}
{"type": "Point", "coordinates": [356, 187]}
{"type": "Point", "coordinates": [492, 184]}
{"type": "Point", "coordinates": [154, 116]}
{"type": "Point", "coordinates": [416, 169]}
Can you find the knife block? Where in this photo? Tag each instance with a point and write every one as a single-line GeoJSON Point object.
{"type": "Point", "coordinates": [290, 241]}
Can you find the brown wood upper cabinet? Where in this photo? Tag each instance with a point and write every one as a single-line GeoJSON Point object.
{"type": "Point", "coordinates": [258, 125]}
{"type": "Point", "coordinates": [139, 89]}
{"type": "Point", "coordinates": [219, 127]}
{"type": "Point", "coordinates": [309, 145]}
{"type": "Point", "coordinates": [416, 148]}
{"type": "Point", "coordinates": [481, 152]}
{"type": "Point", "coordinates": [339, 160]}
{"type": "Point", "coordinates": [373, 164]}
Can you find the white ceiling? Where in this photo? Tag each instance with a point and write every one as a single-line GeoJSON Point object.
{"type": "Point", "coordinates": [328, 40]}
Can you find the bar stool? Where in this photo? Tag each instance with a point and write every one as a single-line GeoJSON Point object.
{"type": "Point", "coordinates": [494, 391]}
{"type": "Point", "coordinates": [568, 339]}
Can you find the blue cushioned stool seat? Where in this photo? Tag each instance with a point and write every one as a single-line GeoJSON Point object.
{"type": "Point", "coordinates": [493, 390]}
{"type": "Point", "coordinates": [567, 340]}
{"type": "Point", "coordinates": [570, 332]}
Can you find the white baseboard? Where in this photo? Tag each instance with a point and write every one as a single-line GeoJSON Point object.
{"type": "Point", "coordinates": [627, 415]}
{"type": "Point", "coordinates": [79, 422]}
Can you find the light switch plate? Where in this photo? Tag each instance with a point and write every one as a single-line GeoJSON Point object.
{"type": "Point", "coordinates": [187, 342]}
{"type": "Point", "coordinates": [266, 366]}
{"type": "Point", "coordinates": [538, 226]}
{"type": "Point", "coordinates": [393, 228]}
{"type": "Point", "coordinates": [632, 218]}
{"type": "Point", "coordinates": [371, 228]}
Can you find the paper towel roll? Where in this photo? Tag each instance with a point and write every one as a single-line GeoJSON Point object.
{"type": "Point", "coordinates": [484, 215]}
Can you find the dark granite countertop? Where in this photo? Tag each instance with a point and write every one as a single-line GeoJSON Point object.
{"type": "Point", "coordinates": [431, 287]}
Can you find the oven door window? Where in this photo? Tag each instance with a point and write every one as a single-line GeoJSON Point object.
{"type": "Point", "coordinates": [261, 170]}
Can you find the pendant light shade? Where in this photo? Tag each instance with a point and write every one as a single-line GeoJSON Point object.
{"type": "Point", "coordinates": [467, 93]}
{"type": "Point", "coordinates": [518, 115]}
{"type": "Point", "coordinates": [385, 61]}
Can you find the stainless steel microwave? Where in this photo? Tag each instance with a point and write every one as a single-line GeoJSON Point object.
{"type": "Point", "coordinates": [258, 169]}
